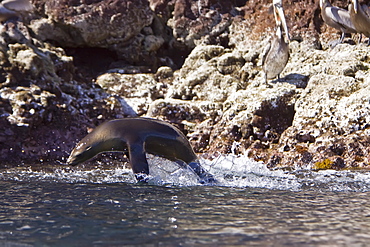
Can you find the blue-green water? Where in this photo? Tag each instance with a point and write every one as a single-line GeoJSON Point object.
{"type": "Point", "coordinates": [250, 206]}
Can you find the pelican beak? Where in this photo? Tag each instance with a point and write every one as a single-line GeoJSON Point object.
{"type": "Point", "coordinates": [355, 5]}
{"type": "Point", "coordinates": [280, 18]}
{"type": "Point", "coordinates": [321, 4]}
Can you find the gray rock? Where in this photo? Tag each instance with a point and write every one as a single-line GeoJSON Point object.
{"type": "Point", "coordinates": [208, 69]}
{"type": "Point", "coordinates": [96, 23]}
{"type": "Point", "coordinates": [138, 90]}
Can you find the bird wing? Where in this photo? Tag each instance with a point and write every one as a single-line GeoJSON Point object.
{"type": "Point", "coordinates": [18, 5]}
{"type": "Point", "coordinates": [341, 17]}
{"type": "Point", "coordinates": [366, 10]}
{"type": "Point", "coordinates": [266, 51]}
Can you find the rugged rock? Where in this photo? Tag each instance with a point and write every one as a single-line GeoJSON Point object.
{"type": "Point", "coordinates": [43, 111]}
{"type": "Point", "coordinates": [92, 23]}
{"type": "Point", "coordinates": [211, 86]}
{"type": "Point", "coordinates": [332, 113]}
{"type": "Point", "coordinates": [129, 28]}
{"type": "Point", "coordinates": [138, 90]}
{"type": "Point", "coordinates": [214, 72]}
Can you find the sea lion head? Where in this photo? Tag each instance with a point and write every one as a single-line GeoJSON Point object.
{"type": "Point", "coordinates": [355, 6]}
{"type": "Point", "coordinates": [96, 142]}
{"type": "Point", "coordinates": [83, 151]}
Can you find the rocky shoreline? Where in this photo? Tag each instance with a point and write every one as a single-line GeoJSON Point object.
{"type": "Point", "coordinates": [196, 64]}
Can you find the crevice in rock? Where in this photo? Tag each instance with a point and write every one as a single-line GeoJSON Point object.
{"type": "Point", "coordinates": [272, 119]}
{"type": "Point", "coordinates": [89, 62]}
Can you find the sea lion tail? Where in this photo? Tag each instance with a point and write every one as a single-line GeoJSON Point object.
{"type": "Point", "coordinates": [204, 176]}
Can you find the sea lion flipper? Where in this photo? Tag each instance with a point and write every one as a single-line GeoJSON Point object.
{"type": "Point", "coordinates": [138, 161]}
{"type": "Point", "coordinates": [139, 136]}
{"type": "Point", "coordinates": [204, 176]}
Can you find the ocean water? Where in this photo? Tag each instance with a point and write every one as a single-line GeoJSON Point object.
{"type": "Point", "coordinates": [250, 205]}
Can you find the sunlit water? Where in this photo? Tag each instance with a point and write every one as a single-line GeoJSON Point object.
{"type": "Point", "coordinates": [250, 205]}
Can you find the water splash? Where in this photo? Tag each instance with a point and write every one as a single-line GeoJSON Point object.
{"type": "Point", "coordinates": [241, 171]}
{"type": "Point", "coordinates": [229, 170]}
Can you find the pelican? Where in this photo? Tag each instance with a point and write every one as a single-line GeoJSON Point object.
{"type": "Point", "coordinates": [276, 54]}
{"type": "Point", "coordinates": [337, 18]}
{"type": "Point", "coordinates": [14, 9]}
{"type": "Point", "coordinates": [360, 17]}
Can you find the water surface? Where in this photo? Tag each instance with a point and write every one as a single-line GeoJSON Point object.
{"type": "Point", "coordinates": [249, 206]}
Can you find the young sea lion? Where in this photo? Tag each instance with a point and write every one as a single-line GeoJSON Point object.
{"type": "Point", "coordinates": [138, 136]}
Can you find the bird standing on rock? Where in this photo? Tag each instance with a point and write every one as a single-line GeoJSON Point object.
{"type": "Point", "coordinates": [276, 54]}
{"type": "Point", "coordinates": [360, 17]}
{"type": "Point", "coordinates": [14, 8]}
{"type": "Point", "coordinates": [337, 18]}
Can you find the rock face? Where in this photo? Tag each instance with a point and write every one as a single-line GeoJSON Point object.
{"type": "Point", "coordinates": [122, 26]}
{"type": "Point", "coordinates": [331, 119]}
{"type": "Point", "coordinates": [202, 63]}
{"type": "Point", "coordinates": [92, 23]}
{"type": "Point", "coordinates": [41, 105]}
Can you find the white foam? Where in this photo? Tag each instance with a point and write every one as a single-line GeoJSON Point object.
{"type": "Point", "coordinates": [229, 171]}
{"type": "Point", "coordinates": [241, 171]}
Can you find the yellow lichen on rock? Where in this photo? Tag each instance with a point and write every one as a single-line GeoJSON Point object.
{"type": "Point", "coordinates": [323, 165]}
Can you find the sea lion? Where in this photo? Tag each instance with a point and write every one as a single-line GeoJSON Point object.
{"type": "Point", "coordinates": [136, 136]}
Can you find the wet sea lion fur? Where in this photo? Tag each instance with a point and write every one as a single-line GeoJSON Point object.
{"type": "Point", "coordinates": [137, 136]}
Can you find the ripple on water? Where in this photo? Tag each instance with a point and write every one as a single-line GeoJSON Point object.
{"type": "Point", "coordinates": [229, 170]}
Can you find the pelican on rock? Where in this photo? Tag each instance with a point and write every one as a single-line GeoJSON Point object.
{"type": "Point", "coordinates": [360, 17]}
{"type": "Point", "coordinates": [337, 18]}
{"type": "Point", "coordinates": [276, 54]}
